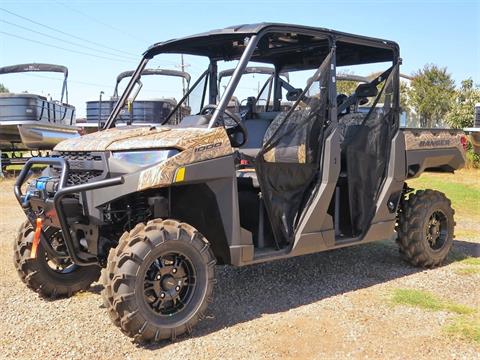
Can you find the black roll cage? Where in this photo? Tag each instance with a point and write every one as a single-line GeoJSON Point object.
{"type": "Point", "coordinates": [354, 47]}
{"type": "Point", "coordinates": [263, 70]}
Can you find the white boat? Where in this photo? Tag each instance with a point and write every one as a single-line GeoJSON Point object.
{"type": "Point", "coordinates": [145, 112]}
{"type": "Point", "coordinates": [33, 122]}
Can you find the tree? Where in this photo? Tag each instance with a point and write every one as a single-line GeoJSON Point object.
{"type": "Point", "coordinates": [404, 102]}
{"type": "Point", "coordinates": [346, 87]}
{"type": "Point", "coordinates": [462, 113]}
{"type": "Point", "coordinates": [431, 94]}
{"type": "Point", "coordinates": [3, 89]}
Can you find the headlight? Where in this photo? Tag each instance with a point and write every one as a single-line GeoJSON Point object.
{"type": "Point", "coordinates": [144, 157]}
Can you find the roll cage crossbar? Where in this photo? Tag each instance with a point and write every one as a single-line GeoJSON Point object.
{"type": "Point", "coordinates": [37, 67]}
{"type": "Point", "coordinates": [251, 70]}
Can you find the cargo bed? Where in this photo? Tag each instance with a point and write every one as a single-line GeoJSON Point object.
{"type": "Point", "coordinates": [433, 150]}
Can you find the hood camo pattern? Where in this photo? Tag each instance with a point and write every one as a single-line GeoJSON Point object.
{"type": "Point", "coordinates": [209, 145]}
{"type": "Point", "coordinates": [196, 144]}
{"type": "Point", "coordinates": [139, 139]}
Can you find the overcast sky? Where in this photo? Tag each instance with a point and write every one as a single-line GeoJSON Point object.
{"type": "Point", "coordinates": [97, 40]}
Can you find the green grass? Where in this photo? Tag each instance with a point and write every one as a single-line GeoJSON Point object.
{"type": "Point", "coordinates": [427, 301]}
{"type": "Point", "coordinates": [470, 261]}
{"type": "Point", "coordinates": [466, 328]}
{"type": "Point", "coordinates": [467, 271]}
{"type": "Point", "coordinates": [18, 168]}
{"type": "Point", "coordinates": [465, 197]}
{"type": "Point", "coordinates": [472, 268]}
{"type": "Point", "coordinates": [462, 233]}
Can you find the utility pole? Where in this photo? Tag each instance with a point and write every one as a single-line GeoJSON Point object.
{"type": "Point", "coordinates": [100, 126]}
{"type": "Point", "coordinates": [183, 70]}
{"type": "Point", "coordinates": [182, 66]}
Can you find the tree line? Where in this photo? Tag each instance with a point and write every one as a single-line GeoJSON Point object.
{"type": "Point", "coordinates": [433, 100]}
{"type": "Point", "coordinates": [432, 95]}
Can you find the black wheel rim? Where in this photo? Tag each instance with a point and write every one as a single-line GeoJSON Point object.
{"type": "Point", "coordinates": [436, 230]}
{"type": "Point", "coordinates": [169, 284]}
{"type": "Point", "coordinates": [61, 266]}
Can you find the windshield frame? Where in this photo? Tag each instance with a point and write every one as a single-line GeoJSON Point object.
{"type": "Point", "coordinates": [187, 94]}
{"type": "Point", "coordinates": [212, 70]}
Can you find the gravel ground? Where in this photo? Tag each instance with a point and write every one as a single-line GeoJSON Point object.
{"type": "Point", "coordinates": [327, 305]}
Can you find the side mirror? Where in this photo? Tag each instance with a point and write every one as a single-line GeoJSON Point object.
{"type": "Point", "coordinates": [366, 91]}
{"type": "Point", "coordinates": [363, 101]}
{"type": "Point", "coordinates": [293, 95]}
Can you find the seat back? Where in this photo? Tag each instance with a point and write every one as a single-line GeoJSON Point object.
{"type": "Point", "coordinates": [256, 128]}
{"type": "Point", "coordinates": [347, 121]}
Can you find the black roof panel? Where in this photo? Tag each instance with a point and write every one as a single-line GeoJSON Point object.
{"type": "Point", "coordinates": [227, 44]}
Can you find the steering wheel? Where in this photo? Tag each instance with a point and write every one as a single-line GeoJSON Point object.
{"type": "Point", "coordinates": [232, 131]}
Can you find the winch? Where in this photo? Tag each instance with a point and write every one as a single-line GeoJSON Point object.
{"type": "Point", "coordinates": [42, 187]}
{"type": "Point", "coordinates": [39, 197]}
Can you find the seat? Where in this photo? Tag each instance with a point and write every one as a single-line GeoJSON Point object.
{"type": "Point", "coordinates": [256, 130]}
{"type": "Point", "coordinates": [263, 125]}
{"type": "Point", "coordinates": [348, 123]}
{"type": "Point", "coordinates": [259, 131]}
{"type": "Point", "coordinates": [256, 127]}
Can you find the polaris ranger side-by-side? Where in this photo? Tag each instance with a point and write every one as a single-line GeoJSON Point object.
{"type": "Point", "coordinates": [158, 207]}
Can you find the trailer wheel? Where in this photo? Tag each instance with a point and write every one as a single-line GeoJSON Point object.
{"type": "Point", "coordinates": [42, 275]}
{"type": "Point", "coordinates": [425, 228]}
{"type": "Point", "coordinates": [159, 280]}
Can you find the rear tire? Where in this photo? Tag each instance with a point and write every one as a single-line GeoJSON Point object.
{"type": "Point", "coordinates": [38, 273]}
{"type": "Point", "coordinates": [425, 228]}
{"type": "Point", "coordinates": [159, 280]}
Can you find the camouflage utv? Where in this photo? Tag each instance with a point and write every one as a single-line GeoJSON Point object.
{"type": "Point", "coordinates": [158, 207]}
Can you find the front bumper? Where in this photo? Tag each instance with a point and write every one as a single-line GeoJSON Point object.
{"type": "Point", "coordinates": [55, 206]}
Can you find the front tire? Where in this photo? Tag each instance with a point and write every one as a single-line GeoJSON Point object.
{"type": "Point", "coordinates": [159, 280]}
{"type": "Point", "coordinates": [425, 228]}
{"type": "Point", "coordinates": [41, 275]}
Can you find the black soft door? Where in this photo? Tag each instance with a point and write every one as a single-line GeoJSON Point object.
{"type": "Point", "coordinates": [368, 151]}
{"type": "Point", "coordinates": [288, 163]}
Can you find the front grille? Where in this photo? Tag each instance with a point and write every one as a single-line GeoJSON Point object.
{"type": "Point", "coordinates": [82, 177]}
{"type": "Point", "coordinates": [84, 167]}
{"type": "Point", "coordinates": [81, 156]}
